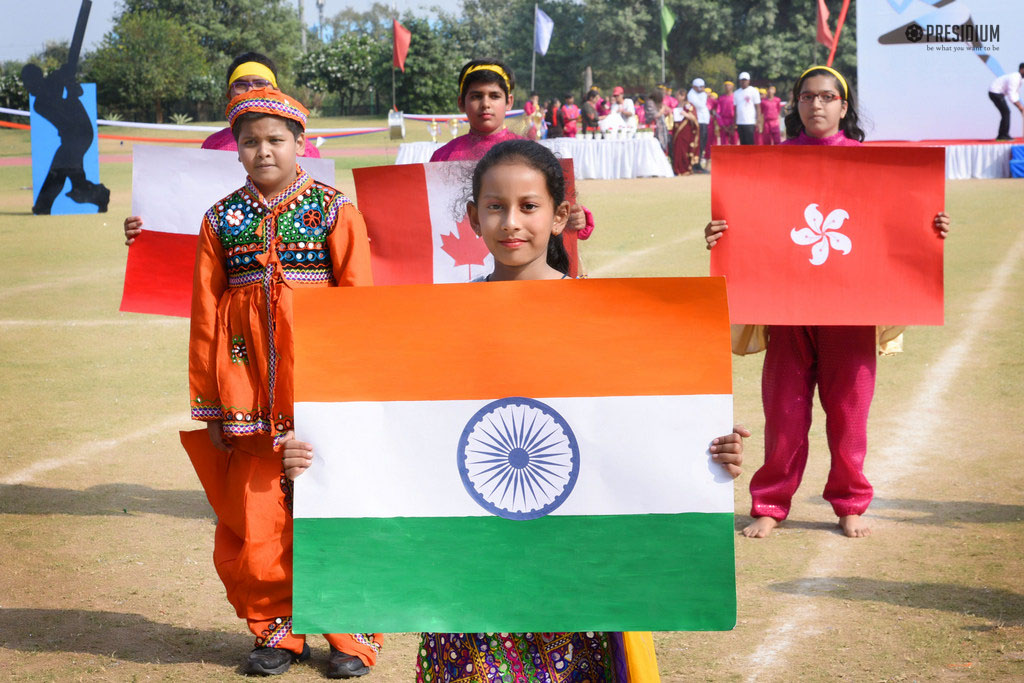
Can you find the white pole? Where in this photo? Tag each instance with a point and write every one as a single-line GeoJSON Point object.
{"type": "Point", "coordinates": [533, 69]}
{"type": "Point", "coordinates": [661, 24]}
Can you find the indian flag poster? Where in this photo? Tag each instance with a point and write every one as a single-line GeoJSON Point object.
{"type": "Point", "coordinates": [514, 456]}
{"type": "Point", "coordinates": [416, 219]}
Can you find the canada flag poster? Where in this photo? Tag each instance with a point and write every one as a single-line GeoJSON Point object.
{"type": "Point", "coordinates": [830, 235]}
{"type": "Point", "coordinates": [416, 219]}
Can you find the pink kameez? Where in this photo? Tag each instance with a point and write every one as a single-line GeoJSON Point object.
{"type": "Point", "coordinates": [472, 145]}
{"type": "Point", "coordinates": [770, 110]}
{"type": "Point", "coordinates": [840, 361]}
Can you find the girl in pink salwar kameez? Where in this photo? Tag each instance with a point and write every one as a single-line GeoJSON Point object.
{"type": "Point", "coordinates": [839, 360]}
{"type": "Point", "coordinates": [771, 108]}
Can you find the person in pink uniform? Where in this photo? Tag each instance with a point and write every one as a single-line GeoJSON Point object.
{"type": "Point", "coordinates": [771, 107]}
{"type": "Point", "coordinates": [572, 115]}
{"type": "Point", "coordinates": [485, 96]}
{"type": "Point", "coordinates": [668, 99]}
{"type": "Point", "coordinates": [248, 71]}
{"type": "Point", "coordinates": [727, 133]}
{"type": "Point", "coordinates": [840, 360]}
{"type": "Point", "coordinates": [714, 127]}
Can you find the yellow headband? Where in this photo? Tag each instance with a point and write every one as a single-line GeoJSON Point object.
{"type": "Point", "coordinates": [839, 77]}
{"type": "Point", "coordinates": [486, 67]}
{"type": "Point", "coordinates": [253, 69]}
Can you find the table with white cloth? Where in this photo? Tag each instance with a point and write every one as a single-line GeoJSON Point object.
{"type": "Point", "coordinates": [639, 157]}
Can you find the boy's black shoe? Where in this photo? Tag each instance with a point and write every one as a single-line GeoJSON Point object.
{"type": "Point", "coordinates": [271, 661]}
{"type": "Point", "coordinates": [342, 665]}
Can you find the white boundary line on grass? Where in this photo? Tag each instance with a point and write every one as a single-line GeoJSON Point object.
{"type": "Point", "coordinates": [920, 421]}
{"type": "Point", "coordinates": [629, 257]}
{"type": "Point", "coordinates": [148, 320]}
{"type": "Point", "coordinates": [60, 282]}
{"type": "Point", "coordinates": [90, 450]}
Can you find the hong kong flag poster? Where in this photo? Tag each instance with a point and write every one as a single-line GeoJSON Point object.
{"type": "Point", "coordinates": [416, 220]}
{"type": "Point", "coordinates": [830, 235]}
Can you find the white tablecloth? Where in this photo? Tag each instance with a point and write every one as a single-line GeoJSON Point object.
{"type": "Point", "coordinates": [977, 161]}
{"type": "Point", "coordinates": [605, 159]}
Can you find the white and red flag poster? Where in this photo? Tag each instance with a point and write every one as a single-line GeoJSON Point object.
{"type": "Point", "coordinates": [830, 235]}
{"type": "Point", "coordinates": [492, 480]}
{"type": "Point", "coordinates": [416, 218]}
{"type": "Point", "coordinates": [172, 188]}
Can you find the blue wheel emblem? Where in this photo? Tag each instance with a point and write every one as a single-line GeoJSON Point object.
{"type": "Point", "coordinates": [518, 458]}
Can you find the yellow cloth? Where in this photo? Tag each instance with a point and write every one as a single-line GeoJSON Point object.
{"type": "Point", "coordinates": [747, 339]}
{"type": "Point", "coordinates": [253, 69]}
{"type": "Point", "coordinates": [641, 662]}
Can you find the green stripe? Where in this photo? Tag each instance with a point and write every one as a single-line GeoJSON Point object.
{"type": "Point", "coordinates": [487, 574]}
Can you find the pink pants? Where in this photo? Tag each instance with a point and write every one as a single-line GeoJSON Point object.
{"type": "Point", "coordinates": [841, 362]}
{"type": "Point", "coordinates": [771, 134]}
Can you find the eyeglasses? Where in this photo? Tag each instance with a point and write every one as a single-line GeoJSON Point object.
{"type": "Point", "coordinates": [240, 86]}
{"type": "Point", "coordinates": [825, 97]}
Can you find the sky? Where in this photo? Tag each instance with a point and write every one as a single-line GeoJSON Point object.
{"type": "Point", "coordinates": [27, 26]}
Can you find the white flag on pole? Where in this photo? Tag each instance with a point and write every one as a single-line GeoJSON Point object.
{"type": "Point", "coordinates": [543, 26]}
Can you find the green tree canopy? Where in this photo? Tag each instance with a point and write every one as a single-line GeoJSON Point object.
{"type": "Point", "coordinates": [129, 71]}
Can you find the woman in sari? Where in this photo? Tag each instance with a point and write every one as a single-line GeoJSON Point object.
{"type": "Point", "coordinates": [685, 139]}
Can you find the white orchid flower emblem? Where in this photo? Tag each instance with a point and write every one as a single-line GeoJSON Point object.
{"type": "Point", "coordinates": [822, 234]}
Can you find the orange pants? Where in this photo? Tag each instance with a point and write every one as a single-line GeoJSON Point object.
{"type": "Point", "coordinates": [252, 547]}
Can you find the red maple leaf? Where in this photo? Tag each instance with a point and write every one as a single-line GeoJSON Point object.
{"type": "Point", "coordinates": [465, 248]}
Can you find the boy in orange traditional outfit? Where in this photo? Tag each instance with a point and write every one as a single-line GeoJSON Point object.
{"type": "Point", "coordinates": [282, 230]}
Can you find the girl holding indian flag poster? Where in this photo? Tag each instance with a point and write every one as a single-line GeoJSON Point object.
{"type": "Point", "coordinates": [519, 209]}
{"type": "Point", "coordinates": [839, 359]}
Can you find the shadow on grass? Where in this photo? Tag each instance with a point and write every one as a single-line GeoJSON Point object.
{"type": "Point", "coordinates": [994, 604]}
{"type": "Point", "coordinates": [946, 512]}
{"type": "Point", "coordinates": [119, 635]}
{"type": "Point", "coordinates": [791, 524]}
{"type": "Point", "coordinates": [940, 512]}
{"type": "Point", "coordinates": [103, 499]}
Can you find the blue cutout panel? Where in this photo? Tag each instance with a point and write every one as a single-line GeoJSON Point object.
{"type": "Point", "coordinates": [45, 142]}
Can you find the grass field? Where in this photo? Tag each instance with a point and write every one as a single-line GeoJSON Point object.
{"type": "Point", "coordinates": [106, 536]}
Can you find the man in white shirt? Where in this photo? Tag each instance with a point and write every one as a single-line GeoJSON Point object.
{"type": "Point", "coordinates": [623, 113]}
{"type": "Point", "coordinates": [748, 112]}
{"type": "Point", "coordinates": [699, 99]}
{"type": "Point", "coordinates": [1007, 87]}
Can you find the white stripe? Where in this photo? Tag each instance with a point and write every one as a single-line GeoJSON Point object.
{"type": "Point", "coordinates": [447, 185]}
{"type": "Point", "coordinates": [638, 455]}
{"type": "Point", "coordinates": [51, 281]}
{"type": "Point", "coordinates": [149, 321]}
{"type": "Point", "coordinates": [90, 450]}
{"type": "Point", "coordinates": [616, 267]}
{"type": "Point", "coordinates": [922, 423]}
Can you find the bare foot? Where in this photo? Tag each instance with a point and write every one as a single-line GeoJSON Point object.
{"type": "Point", "coordinates": [760, 527]}
{"type": "Point", "coordinates": [854, 526]}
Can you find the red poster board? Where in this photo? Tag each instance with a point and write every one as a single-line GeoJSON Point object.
{"type": "Point", "coordinates": [830, 235]}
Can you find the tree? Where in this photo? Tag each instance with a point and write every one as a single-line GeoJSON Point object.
{"type": "Point", "coordinates": [225, 28]}
{"type": "Point", "coordinates": [130, 72]}
{"type": "Point", "coordinates": [344, 67]}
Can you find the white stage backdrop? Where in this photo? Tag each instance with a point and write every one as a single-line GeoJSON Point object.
{"type": "Point", "coordinates": [919, 79]}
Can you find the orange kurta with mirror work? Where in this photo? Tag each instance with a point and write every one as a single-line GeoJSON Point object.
{"type": "Point", "coordinates": [252, 252]}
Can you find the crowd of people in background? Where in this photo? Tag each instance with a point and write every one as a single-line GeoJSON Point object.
{"type": "Point", "coordinates": [686, 122]}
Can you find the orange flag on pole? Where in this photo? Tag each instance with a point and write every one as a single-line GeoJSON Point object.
{"type": "Point", "coordinates": [830, 235]}
{"type": "Point", "coordinates": [402, 38]}
{"type": "Point", "coordinates": [824, 33]}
